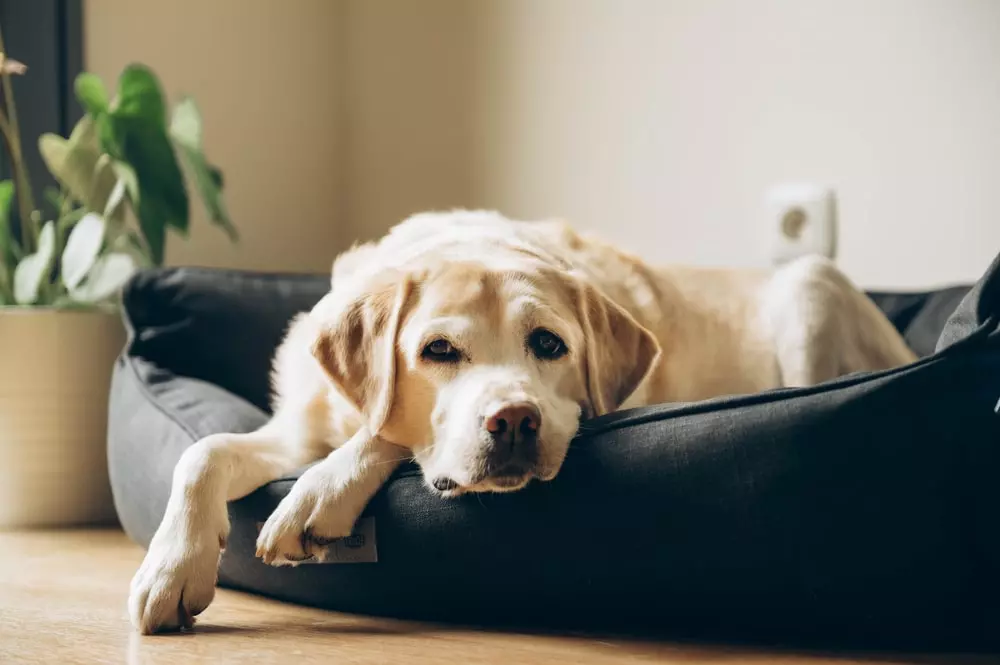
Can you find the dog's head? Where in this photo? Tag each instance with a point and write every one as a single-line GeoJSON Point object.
{"type": "Point", "coordinates": [484, 374]}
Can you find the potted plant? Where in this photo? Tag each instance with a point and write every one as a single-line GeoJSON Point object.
{"type": "Point", "coordinates": [123, 176]}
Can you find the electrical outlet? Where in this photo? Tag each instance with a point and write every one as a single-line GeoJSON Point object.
{"type": "Point", "coordinates": [800, 219]}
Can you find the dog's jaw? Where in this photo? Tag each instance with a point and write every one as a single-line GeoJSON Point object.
{"type": "Point", "coordinates": [500, 485]}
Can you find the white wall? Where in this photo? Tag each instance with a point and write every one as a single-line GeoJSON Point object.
{"type": "Point", "coordinates": [267, 77]}
{"type": "Point", "coordinates": [658, 122]}
{"type": "Point", "coordinates": [662, 122]}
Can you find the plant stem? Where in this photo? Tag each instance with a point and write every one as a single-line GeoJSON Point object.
{"type": "Point", "coordinates": [25, 200]}
{"type": "Point", "coordinates": [5, 128]}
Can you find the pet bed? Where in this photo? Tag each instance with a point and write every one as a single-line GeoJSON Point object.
{"type": "Point", "coordinates": [863, 511]}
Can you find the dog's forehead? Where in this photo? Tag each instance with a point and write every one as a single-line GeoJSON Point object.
{"type": "Point", "coordinates": [461, 285]}
{"type": "Point", "coordinates": [472, 288]}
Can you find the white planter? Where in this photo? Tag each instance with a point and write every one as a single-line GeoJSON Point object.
{"type": "Point", "coordinates": [55, 369]}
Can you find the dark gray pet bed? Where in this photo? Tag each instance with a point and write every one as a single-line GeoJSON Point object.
{"type": "Point", "coordinates": [861, 512]}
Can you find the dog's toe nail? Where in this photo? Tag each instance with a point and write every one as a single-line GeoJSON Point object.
{"type": "Point", "coordinates": [185, 618]}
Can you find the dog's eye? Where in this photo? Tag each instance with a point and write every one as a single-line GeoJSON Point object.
{"type": "Point", "coordinates": [546, 345]}
{"type": "Point", "coordinates": [440, 350]}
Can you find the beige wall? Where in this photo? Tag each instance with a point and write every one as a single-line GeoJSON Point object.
{"type": "Point", "coordinates": [409, 82]}
{"type": "Point", "coordinates": [268, 81]}
{"type": "Point", "coordinates": [659, 122]}
{"type": "Point", "coordinates": [662, 122]}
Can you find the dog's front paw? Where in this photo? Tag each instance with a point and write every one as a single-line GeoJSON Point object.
{"type": "Point", "coordinates": [175, 582]}
{"type": "Point", "coordinates": [305, 522]}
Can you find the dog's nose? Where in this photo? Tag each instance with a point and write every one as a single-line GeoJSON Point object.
{"type": "Point", "coordinates": [514, 422]}
{"type": "Point", "coordinates": [514, 429]}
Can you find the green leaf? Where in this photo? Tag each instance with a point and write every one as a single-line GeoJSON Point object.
{"type": "Point", "coordinates": [82, 247]}
{"type": "Point", "coordinates": [91, 93]}
{"type": "Point", "coordinates": [106, 136]}
{"type": "Point", "coordinates": [114, 209]}
{"type": "Point", "coordinates": [33, 269]}
{"type": "Point", "coordinates": [109, 273]}
{"type": "Point", "coordinates": [55, 152]}
{"type": "Point", "coordinates": [103, 185]}
{"type": "Point", "coordinates": [77, 163]}
{"type": "Point", "coordinates": [211, 194]}
{"type": "Point", "coordinates": [217, 178]}
{"type": "Point", "coordinates": [6, 240]}
{"type": "Point", "coordinates": [161, 185]}
{"type": "Point", "coordinates": [139, 95]}
{"type": "Point", "coordinates": [153, 225]}
{"type": "Point", "coordinates": [145, 147]}
{"type": "Point", "coordinates": [185, 129]}
{"type": "Point", "coordinates": [84, 132]}
{"type": "Point", "coordinates": [185, 125]}
{"type": "Point", "coordinates": [127, 175]}
{"type": "Point", "coordinates": [8, 244]}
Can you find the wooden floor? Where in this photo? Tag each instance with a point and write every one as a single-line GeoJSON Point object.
{"type": "Point", "coordinates": [62, 600]}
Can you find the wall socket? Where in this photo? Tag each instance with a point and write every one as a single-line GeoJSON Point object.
{"type": "Point", "coordinates": [800, 219]}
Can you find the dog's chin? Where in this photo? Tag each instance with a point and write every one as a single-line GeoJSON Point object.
{"type": "Point", "coordinates": [545, 475]}
{"type": "Point", "coordinates": [495, 484]}
{"type": "Point", "coordinates": [503, 483]}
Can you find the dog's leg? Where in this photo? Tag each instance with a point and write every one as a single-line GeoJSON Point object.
{"type": "Point", "coordinates": [177, 578]}
{"type": "Point", "coordinates": [327, 500]}
{"type": "Point", "coordinates": [824, 327]}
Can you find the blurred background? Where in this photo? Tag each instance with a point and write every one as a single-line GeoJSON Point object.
{"type": "Point", "coordinates": [660, 123]}
{"type": "Point", "coordinates": [664, 125]}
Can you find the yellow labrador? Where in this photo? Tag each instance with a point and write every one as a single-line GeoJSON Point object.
{"type": "Point", "coordinates": [475, 344]}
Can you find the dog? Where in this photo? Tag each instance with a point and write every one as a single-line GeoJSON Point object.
{"type": "Point", "coordinates": [474, 345]}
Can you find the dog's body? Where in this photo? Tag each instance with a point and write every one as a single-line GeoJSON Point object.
{"type": "Point", "coordinates": [474, 345]}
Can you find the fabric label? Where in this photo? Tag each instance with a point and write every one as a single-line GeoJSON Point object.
{"type": "Point", "coordinates": [359, 547]}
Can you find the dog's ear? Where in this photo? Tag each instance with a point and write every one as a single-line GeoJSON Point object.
{"type": "Point", "coordinates": [619, 351]}
{"type": "Point", "coordinates": [357, 347]}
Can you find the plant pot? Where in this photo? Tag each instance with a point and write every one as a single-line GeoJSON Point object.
{"type": "Point", "coordinates": [55, 371]}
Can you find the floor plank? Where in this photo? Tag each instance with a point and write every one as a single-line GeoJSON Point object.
{"type": "Point", "coordinates": [62, 600]}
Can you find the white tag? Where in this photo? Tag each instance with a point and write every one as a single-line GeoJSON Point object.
{"type": "Point", "coordinates": [359, 547]}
